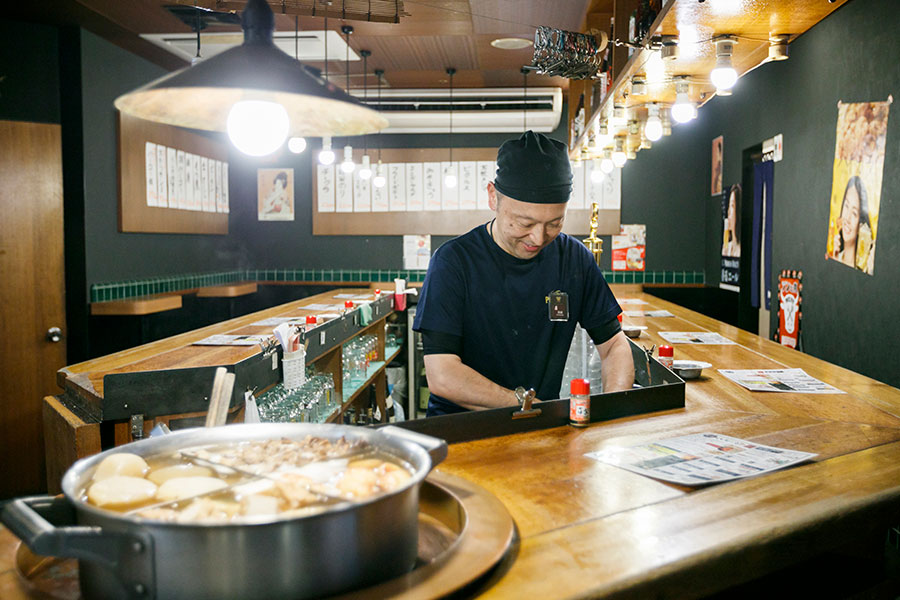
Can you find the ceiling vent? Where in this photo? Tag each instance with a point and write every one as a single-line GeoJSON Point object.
{"type": "Point", "coordinates": [476, 110]}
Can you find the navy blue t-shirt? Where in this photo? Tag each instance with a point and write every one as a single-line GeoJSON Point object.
{"type": "Point", "coordinates": [498, 304]}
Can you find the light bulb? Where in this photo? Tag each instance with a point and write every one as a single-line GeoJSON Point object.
{"type": "Point", "coordinates": [597, 172]}
{"type": "Point", "coordinates": [326, 155]}
{"type": "Point", "coordinates": [683, 109]}
{"type": "Point", "coordinates": [606, 165]}
{"type": "Point", "coordinates": [347, 166]}
{"type": "Point", "coordinates": [618, 156]}
{"type": "Point", "coordinates": [257, 127]}
{"type": "Point", "coordinates": [450, 180]}
{"type": "Point", "coordinates": [297, 144]}
{"type": "Point", "coordinates": [653, 128]}
{"type": "Point", "coordinates": [379, 180]}
{"type": "Point", "coordinates": [723, 76]}
{"type": "Point", "coordinates": [365, 171]}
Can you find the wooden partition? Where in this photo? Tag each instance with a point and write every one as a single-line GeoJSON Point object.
{"type": "Point", "coordinates": [134, 213]}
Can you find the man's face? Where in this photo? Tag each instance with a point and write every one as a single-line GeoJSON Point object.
{"type": "Point", "coordinates": [523, 229]}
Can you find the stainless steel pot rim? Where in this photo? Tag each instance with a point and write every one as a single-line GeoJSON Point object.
{"type": "Point", "coordinates": [201, 436]}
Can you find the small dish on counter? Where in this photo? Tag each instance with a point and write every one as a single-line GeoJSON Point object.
{"type": "Point", "coordinates": [689, 369]}
{"type": "Point", "coordinates": [633, 331]}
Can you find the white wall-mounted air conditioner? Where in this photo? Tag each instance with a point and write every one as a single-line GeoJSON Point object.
{"type": "Point", "coordinates": [475, 110]}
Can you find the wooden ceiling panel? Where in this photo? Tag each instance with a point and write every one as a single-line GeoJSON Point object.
{"type": "Point", "coordinates": [513, 79]}
{"type": "Point", "coordinates": [518, 17]}
{"type": "Point", "coordinates": [434, 79]}
{"type": "Point", "coordinates": [405, 53]}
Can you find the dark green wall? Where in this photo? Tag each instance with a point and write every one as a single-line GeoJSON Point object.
{"type": "Point", "coordinates": [849, 318]}
{"type": "Point", "coordinates": [29, 72]}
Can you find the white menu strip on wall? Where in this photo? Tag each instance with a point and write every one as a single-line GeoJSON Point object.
{"type": "Point", "coordinates": [593, 190]}
{"type": "Point", "coordinates": [325, 188]}
{"type": "Point", "coordinates": [225, 203]}
{"type": "Point", "coordinates": [576, 200]}
{"type": "Point", "coordinates": [171, 169]}
{"type": "Point", "coordinates": [162, 187]}
{"type": "Point", "coordinates": [397, 186]}
{"type": "Point", "coordinates": [612, 190]}
{"type": "Point", "coordinates": [189, 181]}
{"type": "Point", "coordinates": [198, 198]}
{"type": "Point", "coordinates": [486, 170]}
{"type": "Point", "coordinates": [431, 185]}
{"type": "Point", "coordinates": [380, 202]}
{"type": "Point", "coordinates": [150, 172]}
{"type": "Point", "coordinates": [179, 180]}
{"type": "Point", "coordinates": [468, 179]}
{"type": "Point", "coordinates": [220, 204]}
{"type": "Point", "coordinates": [415, 196]}
{"type": "Point", "coordinates": [343, 191]}
{"type": "Point", "coordinates": [213, 207]}
{"type": "Point", "coordinates": [204, 184]}
{"type": "Point", "coordinates": [449, 195]}
{"type": "Point", "coordinates": [362, 196]}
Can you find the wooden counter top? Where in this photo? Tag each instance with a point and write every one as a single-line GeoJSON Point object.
{"type": "Point", "coordinates": [589, 529]}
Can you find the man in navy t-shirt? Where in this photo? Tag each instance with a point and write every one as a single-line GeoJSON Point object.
{"type": "Point", "coordinates": [500, 303]}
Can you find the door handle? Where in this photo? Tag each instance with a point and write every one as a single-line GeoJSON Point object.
{"type": "Point", "coordinates": [54, 334]}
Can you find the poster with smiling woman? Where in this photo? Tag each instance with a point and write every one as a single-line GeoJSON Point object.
{"type": "Point", "coordinates": [856, 183]}
{"type": "Point", "coordinates": [275, 194]}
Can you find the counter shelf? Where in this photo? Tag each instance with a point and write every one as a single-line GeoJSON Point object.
{"type": "Point", "coordinates": [662, 390]}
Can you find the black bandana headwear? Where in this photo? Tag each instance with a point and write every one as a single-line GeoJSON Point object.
{"type": "Point", "coordinates": [534, 168]}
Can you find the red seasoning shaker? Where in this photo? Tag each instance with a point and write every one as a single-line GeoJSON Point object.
{"type": "Point", "coordinates": [580, 403]}
{"type": "Point", "coordinates": [348, 303]}
{"type": "Point", "coordinates": [310, 321]}
{"type": "Point", "coordinates": [666, 356]}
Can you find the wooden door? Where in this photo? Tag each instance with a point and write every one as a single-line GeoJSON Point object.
{"type": "Point", "coordinates": [32, 296]}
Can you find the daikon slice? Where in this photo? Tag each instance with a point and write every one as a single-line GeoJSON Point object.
{"type": "Point", "coordinates": [121, 490]}
{"type": "Point", "coordinates": [160, 476]}
{"type": "Point", "coordinates": [122, 463]}
{"type": "Point", "coordinates": [185, 487]}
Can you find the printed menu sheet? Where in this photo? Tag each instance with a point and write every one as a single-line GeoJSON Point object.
{"type": "Point", "coordinates": [231, 340]}
{"type": "Point", "coordinates": [779, 380]}
{"type": "Point", "coordinates": [700, 459]}
{"type": "Point", "coordinates": [632, 301]}
{"type": "Point", "coordinates": [694, 337]}
{"type": "Point", "coordinates": [648, 313]}
{"type": "Point", "coordinates": [276, 321]}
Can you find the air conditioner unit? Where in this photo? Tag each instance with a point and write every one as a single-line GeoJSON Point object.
{"type": "Point", "coordinates": [477, 110]}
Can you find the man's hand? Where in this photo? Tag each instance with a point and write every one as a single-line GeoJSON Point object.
{"type": "Point", "coordinates": [617, 364]}
{"type": "Point", "coordinates": [449, 378]}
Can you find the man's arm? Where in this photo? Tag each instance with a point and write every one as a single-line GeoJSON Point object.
{"type": "Point", "coordinates": [617, 364]}
{"type": "Point", "coordinates": [449, 378]}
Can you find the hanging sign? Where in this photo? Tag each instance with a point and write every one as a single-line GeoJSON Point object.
{"type": "Point", "coordinates": [789, 288]}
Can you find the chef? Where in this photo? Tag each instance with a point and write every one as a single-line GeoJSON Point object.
{"type": "Point", "coordinates": [500, 303]}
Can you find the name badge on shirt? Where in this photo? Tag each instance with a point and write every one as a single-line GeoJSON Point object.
{"type": "Point", "coordinates": [558, 306]}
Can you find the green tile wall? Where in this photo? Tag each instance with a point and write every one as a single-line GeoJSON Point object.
{"type": "Point", "coordinates": [119, 290]}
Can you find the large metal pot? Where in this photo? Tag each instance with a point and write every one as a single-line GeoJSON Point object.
{"type": "Point", "coordinates": [121, 556]}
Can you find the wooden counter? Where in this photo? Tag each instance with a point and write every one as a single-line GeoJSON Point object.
{"type": "Point", "coordinates": [587, 529]}
{"type": "Point", "coordinates": [592, 530]}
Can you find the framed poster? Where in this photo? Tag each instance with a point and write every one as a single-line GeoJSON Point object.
{"type": "Point", "coordinates": [275, 194]}
{"type": "Point", "coordinates": [729, 278]}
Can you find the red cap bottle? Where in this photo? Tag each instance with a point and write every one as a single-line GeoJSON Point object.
{"type": "Point", "coordinates": [348, 303]}
{"type": "Point", "coordinates": [666, 356]}
{"type": "Point", "coordinates": [310, 319]}
{"type": "Point", "coordinates": [580, 403]}
{"type": "Point", "coordinates": [580, 387]}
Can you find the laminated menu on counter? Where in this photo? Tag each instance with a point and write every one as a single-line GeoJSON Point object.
{"type": "Point", "coordinates": [231, 340]}
{"type": "Point", "coordinates": [779, 380]}
{"type": "Point", "coordinates": [648, 313]}
{"type": "Point", "coordinates": [700, 459]}
{"type": "Point", "coordinates": [694, 337]}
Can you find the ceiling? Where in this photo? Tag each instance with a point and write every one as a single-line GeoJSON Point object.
{"type": "Point", "coordinates": [414, 53]}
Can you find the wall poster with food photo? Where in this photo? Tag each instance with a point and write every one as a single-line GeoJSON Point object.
{"type": "Point", "coordinates": [629, 248]}
{"type": "Point", "coordinates": [856, 183]}
{"type": "Point", "coordinates": [275, 194]}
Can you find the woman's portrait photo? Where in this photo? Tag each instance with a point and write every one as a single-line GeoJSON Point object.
{"type": "Point", "coordinates": [275, 194]}
{"type": "Point", "coordinates": [856, 184]}
{"type": "Point", "coordinates": [731, 229]}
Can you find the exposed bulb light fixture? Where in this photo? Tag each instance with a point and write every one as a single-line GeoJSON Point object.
{"type": "Point", "coordinates": [297, 144]}
{"type": "Point", "coordinates": [597, 173]}
{"type": "Point", "coordinates": [365, 169]}
{"type": "Point", "coordinates": [778, 47]}
{"type": "Point", "coordinates": [618, 156]}
{"type": "Point", "coordinates": [638, 86]}
{"type": "Point", "coordinates": [669, 49]}
{"type": "Point", "coordinates": [257, 127]}
{"type": "Point", "coordinates": [606, 163]}
{"type": "Point", "coordinates": [653, 128]}
{"type": "Point", "coordinates": [683, 110]}
{"type": "Point", "coordinates": [348, 165]}
{"type": "Point", "coordinates": [619, 119]}
{"type": "Point", "coordinates": [379, 180]}
{"type": "Point", "coordinates": [723, 76]}
{"type": "Point", "coordinates": [326, 154]}
{"type": "Point", "coordinates": [449, 176]}
{"type": "Point", "coordinates": [202, 96]}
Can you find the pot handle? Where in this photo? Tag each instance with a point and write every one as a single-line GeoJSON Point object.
{"type": "Point", "coordinates": [436, 447]}
{"type": "Point", "coordinates": [46, 524]}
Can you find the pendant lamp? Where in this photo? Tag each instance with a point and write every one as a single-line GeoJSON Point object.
{"type": "Point", "coordinates": [296, 144]}
{"type": "Point", "coordinates": [348, 165]}
{"type": "Point", "coordinates": [365, 169]}
{"type": "Point", "coordinates": [257, 79]}
{"type": "Point", "coordinates": [379, 180]}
